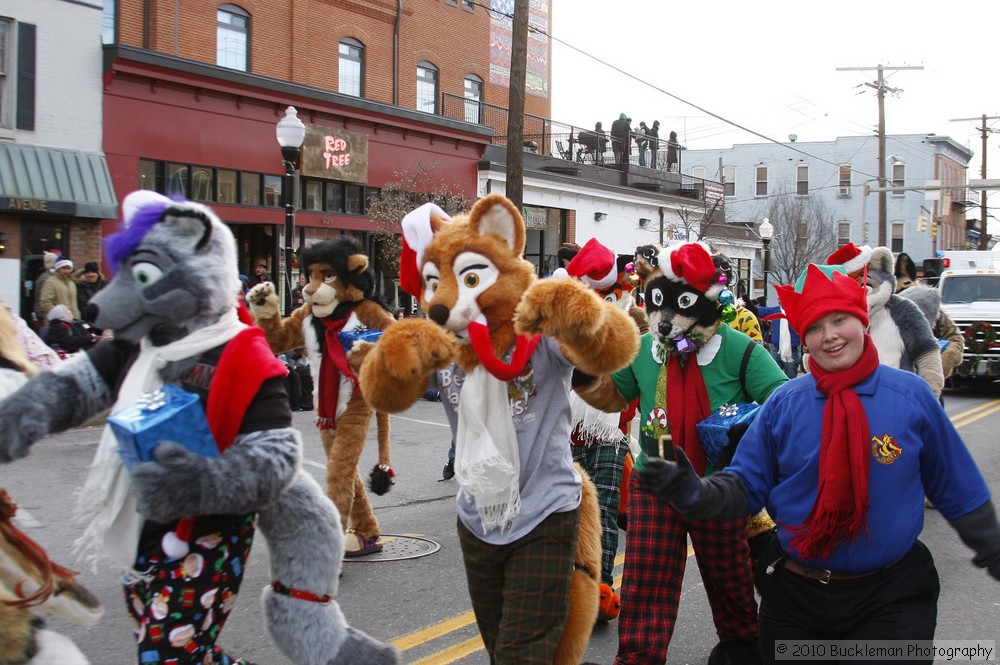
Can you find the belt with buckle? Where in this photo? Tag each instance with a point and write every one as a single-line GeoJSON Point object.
{"type": "Point", "coordinates": [820, 575]}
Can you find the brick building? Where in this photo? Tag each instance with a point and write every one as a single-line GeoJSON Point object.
{"type": "Point", "coordinates": [193, 90]}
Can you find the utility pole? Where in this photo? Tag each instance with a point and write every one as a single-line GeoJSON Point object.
{"type": "Point", "coordinates": [515, 104]}
{"type": "Point", "coordinates": [984, 131]}
{"type": "Point", "coordinates": [881, 89]}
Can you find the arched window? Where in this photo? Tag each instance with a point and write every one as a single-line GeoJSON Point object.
{"type": "Point", "coordinates": [352, 68]}
{"type": "Point", "coordinates": [474, 95]}
{"type": "Point", "coordinates": [232, 37]}
{"type": "Point", "coordinates": [427, 87]}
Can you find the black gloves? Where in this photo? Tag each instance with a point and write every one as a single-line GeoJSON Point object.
{"type": "Point", "coordinates": [980, 531]}
{"type": "Point", "coordinates": [676, 482]}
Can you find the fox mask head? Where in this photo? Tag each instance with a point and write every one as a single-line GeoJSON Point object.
{"type": "Point", "coordinates": [471, 270]}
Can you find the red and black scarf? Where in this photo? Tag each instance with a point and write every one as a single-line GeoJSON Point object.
{"type": "Point", "coordinates": [333, 366]}
{"type": "Point", "coordinates": [840, 513]}
{"type": "Point", "coordinates": [687, 405]}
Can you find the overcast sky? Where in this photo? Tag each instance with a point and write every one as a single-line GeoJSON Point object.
{"type": "Point", "coordinates": [771, 66]}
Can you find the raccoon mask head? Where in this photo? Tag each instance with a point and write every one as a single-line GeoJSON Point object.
{"type": "Point", "coordinates": [682, 297]}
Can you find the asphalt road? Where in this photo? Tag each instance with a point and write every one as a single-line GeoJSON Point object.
{"type": "Point", "coordinates": [414, 593]}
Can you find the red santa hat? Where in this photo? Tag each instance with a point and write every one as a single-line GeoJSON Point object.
{"type": "Point", "coordinates": [417, 233]}
{"type": "Point", "coordinates": [853, 258]}
{"type": "Point", "coordinates": [691, 263]}
{"type": "Point", "coordinates": [595, 265]}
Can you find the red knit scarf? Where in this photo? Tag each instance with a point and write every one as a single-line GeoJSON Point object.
{"type": "Point", "coordinates": [840, 512]}
{"type": "Point", "coordinates": [687, 404]}
{"type": "Point", "coordinates": [479, 336]}
{"type": "Point", "coordinates": [333, 366]}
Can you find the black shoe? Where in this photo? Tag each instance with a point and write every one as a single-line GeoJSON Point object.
{"type": "Point", "coordinates": [448, 472]}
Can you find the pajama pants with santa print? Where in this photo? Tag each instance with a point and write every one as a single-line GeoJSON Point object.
{"type": "Point", "coordinates": [181, 606]}
{"type": "Point", "coordinates": [656, 553]}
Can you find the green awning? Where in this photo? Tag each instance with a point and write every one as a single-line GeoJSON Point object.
{"type": "Point", "coordinates": [55, 181]}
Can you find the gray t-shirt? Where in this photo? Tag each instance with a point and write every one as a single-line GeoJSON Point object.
{"type": "Point", "coordinates": [540, 404]}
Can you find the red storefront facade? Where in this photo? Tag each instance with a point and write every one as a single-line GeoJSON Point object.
{"type": "Point", "coordinates": [208, 133]}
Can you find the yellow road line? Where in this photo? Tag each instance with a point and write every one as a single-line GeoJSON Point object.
{"type": "Point", "coordinates": [433, 632]}
{"type": "Point", "coordinates": [964, 414]}
{"type": "Point", "coordinates": [453, 653]}
{"type": "Point", "coordinates": [961, 423]}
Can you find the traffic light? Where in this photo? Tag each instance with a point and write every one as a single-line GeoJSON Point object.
{"type": "Point", "coordinates": [934, 228]}
{"type": "Point", "coordinates": [921, 223]}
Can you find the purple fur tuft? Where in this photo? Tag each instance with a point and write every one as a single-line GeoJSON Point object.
{"type": "Point", "coordinates": [121, 244]}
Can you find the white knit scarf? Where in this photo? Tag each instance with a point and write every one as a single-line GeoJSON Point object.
{"type": "Point", "coordinates": [784, 341]}
{"type": "Point", "coordinates": [106, 498]}
{"type": "Point", "coordinates": [487, 463]}
{"type": "Point", "coordinates": [593, 425]}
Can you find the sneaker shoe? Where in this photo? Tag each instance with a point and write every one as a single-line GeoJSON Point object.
{"type": "Point", "coordinates": [448, 472]}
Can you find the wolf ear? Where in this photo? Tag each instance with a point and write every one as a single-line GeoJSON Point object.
{"type": "Point", "coordinates": [189, 223]}
{"type": "Point", "coordinates": [905, 266]}
{"type": "Point", "coordinates": [881, 260]}
{"type": "Point", "coordinates": [497, 215]}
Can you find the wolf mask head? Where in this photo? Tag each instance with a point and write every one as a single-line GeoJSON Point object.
{"type": "Point", "coordinates": [176, 271]}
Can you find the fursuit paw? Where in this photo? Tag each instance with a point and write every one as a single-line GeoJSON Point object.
{"type": "Point", "coordinates": [165, 490]}
{"type": "Point", "coordinates": [410, 350]}
{"type": "Point", "coordinates": [381, 479]}
{"type": "Point", "coordinates": [360, 648]}
{"type": "Point", "coordinates": [263, 301]}
{"type": "Point", "coordinates": [18, 435]}
{"type": "Point", "coordinates": [560, 308]}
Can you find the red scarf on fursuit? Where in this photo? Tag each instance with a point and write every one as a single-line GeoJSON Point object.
{"type": "Point", "coordinates": [333, 366]}
{"type": "Point", "coordinates": [687, 405]}
{"type": "Point", "coordinates": [840, 512]}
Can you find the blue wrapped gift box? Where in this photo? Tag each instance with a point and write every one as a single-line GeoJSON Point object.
{"type": "Point", "coordinates": [347, 339]}
{"type": "Point", "coordinates": [714, 430]}
{"type": "Point", "coordinates": [167, 414]}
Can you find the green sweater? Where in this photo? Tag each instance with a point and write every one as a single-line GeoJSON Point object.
{"type": "Point", "coordinates": [721, 375]}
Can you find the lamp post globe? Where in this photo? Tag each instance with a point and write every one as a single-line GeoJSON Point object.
{"type": "Point", "coordinates": [291, 133]}
{"type": "Point", "coordinates": [766, 232]}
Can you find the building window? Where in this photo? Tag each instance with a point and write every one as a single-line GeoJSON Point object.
{"type": "Point", "coordinates": [272, 191]}
{"type": "Point", "coordinates": [844, 182]}
{"type": "Point", "coordinates": [802, 180]}
{"type": "Point", "coordinates": [898, 177]}
{"type": "Point", "coordinates": [896, 244]}
{"type": "Point", "coordinates": [225, 186]}
{"type": "Point", "coordinates": [312, 195]}
{"type": "Point", "coordinates": [232, 37]}
{"type": "Point", "coordinates": [151, 175]}
{"type": "Point", "coordinates": [352, 68]}
{"type": "Point", "coordinates": [6, 68]}
{"type": "Point", "coordinates": [474, 99]}
{"type": "Point", "coordinates": [249, 188]}
{"type": "Point", "coordinates": [334, 197]}
{"type": "Point", "coordinates": [843, 233]}
{"type": "Point", "coordinates": [201, 184]}
{"type": "Point", "coordinates": [729, 180]}
{"type": "Point", "coordinates": [427, 87]}
{"type": "Point", "coordinates": [469, 5]}
{"type": "Point", "coordinates": [353, 200]}
{"type": "Point", "coordinates": [761, 174]}
{"type": "Point", "coordinates": [177, 180]}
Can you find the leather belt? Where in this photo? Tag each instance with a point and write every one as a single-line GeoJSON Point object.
{"type": "Point", "coordinates": [820, 575]}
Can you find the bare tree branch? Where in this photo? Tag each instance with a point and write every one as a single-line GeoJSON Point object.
{"type": "Point", "coordinates": [804, 233]}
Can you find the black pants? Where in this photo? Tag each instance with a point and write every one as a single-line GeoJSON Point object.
{"type": "Point", "coordinates": [899, 603]}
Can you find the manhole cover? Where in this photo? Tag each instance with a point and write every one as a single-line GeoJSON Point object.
{"type": "Point", "coordinates": [398, 548]}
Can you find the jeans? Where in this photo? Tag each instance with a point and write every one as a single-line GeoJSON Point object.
{"type": "Point", "coordinates": [791, 368]}
{"type": "Point", "coordinates": [642, 155]}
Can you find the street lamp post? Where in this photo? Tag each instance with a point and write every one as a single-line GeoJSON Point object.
{"type": "Point", "coordinates": [291, 133]}
{"type": "Point", "coordinates": [766, 230]}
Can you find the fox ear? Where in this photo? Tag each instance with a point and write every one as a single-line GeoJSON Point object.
{"type": "Point", "coordinates": [497, 215]}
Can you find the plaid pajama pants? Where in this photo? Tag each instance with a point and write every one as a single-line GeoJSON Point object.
{"type": "Point", "coordinates": [520, 591]}
{"type": "Point", "coordinates": [655, 558]}
{"type": "Point", "coordinates": [605, 463]}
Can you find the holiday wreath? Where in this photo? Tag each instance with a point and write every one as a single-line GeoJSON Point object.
{"type": "Point", "coordinates": [980, 337]}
